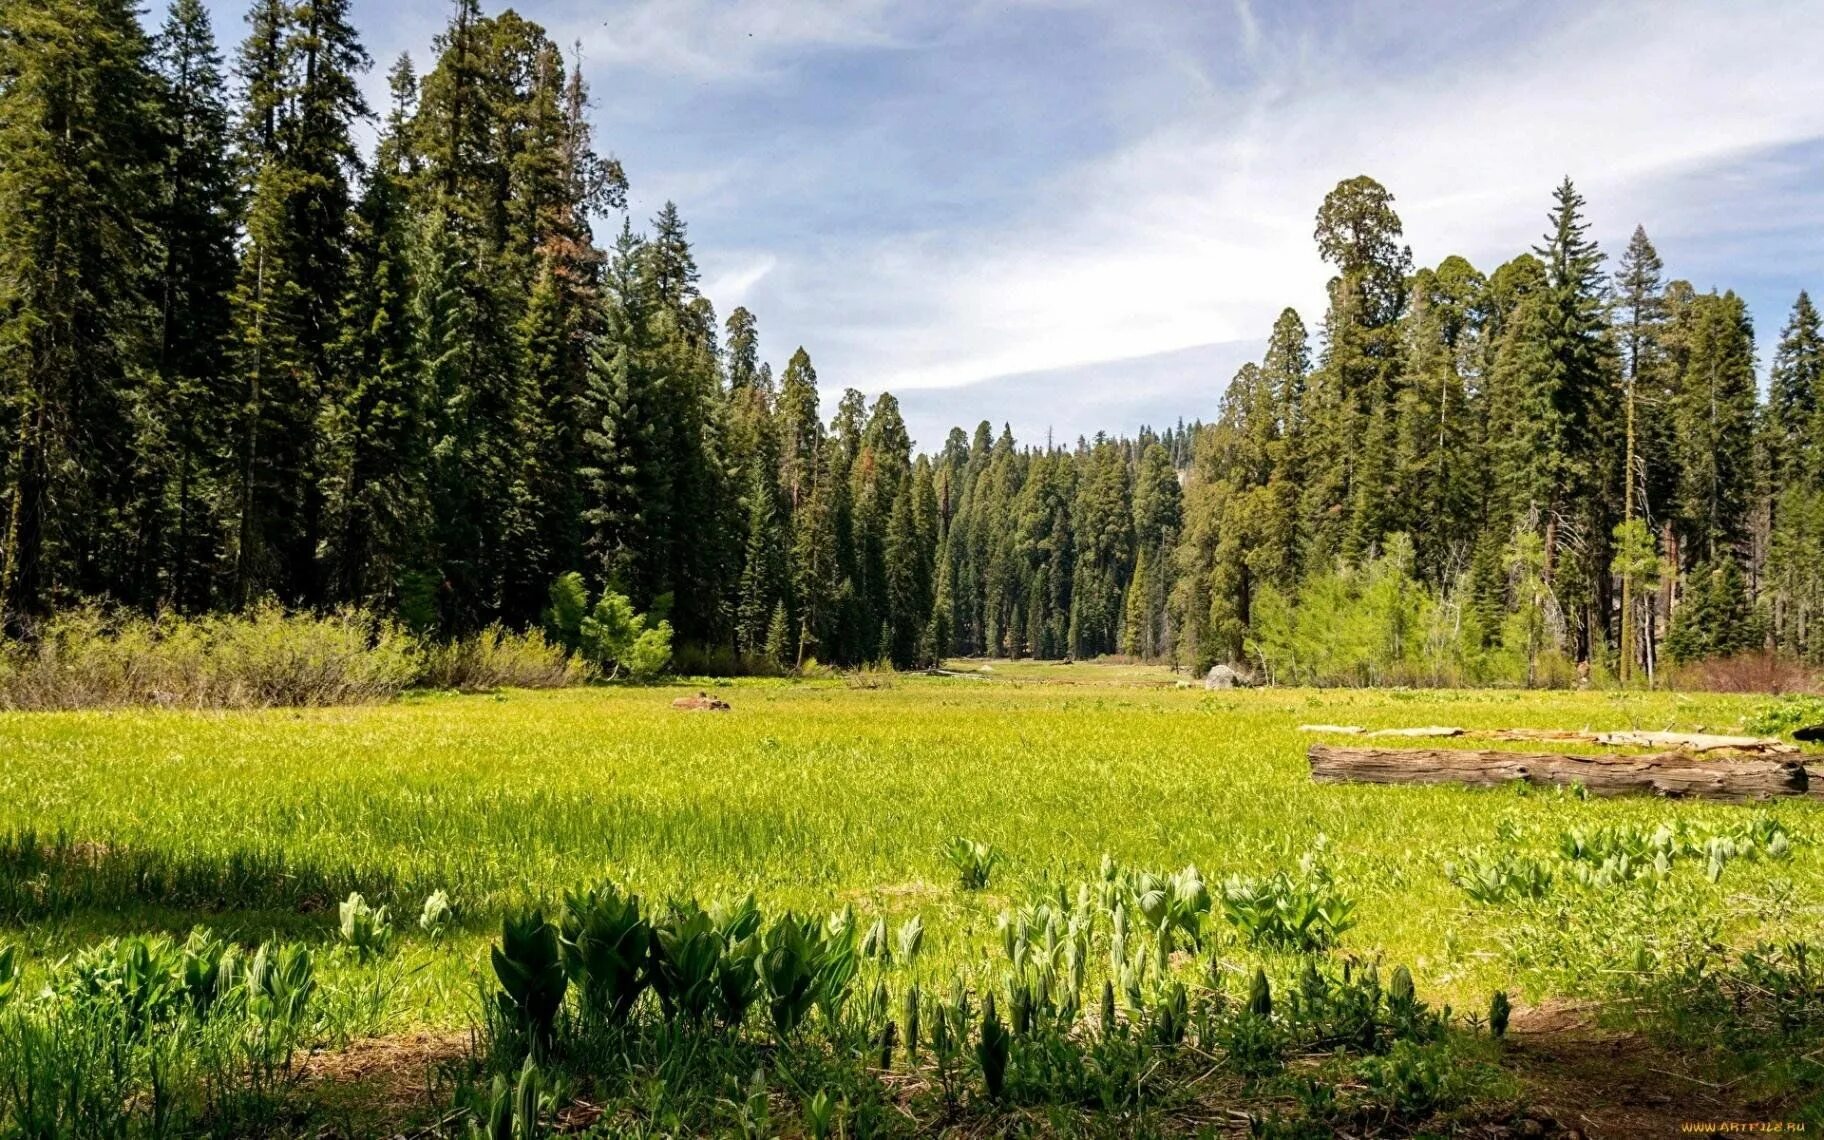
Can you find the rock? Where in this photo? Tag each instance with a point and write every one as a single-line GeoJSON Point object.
{"type": "Point", "coordinates": [1223, 677]}
{"type": "Point", "coordinates": [702, 702]}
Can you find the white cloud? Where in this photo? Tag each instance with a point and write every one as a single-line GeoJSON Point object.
{"type": "Point", "coordinates": [1200, 230]}
{"type": "Point", "coordinates": [707, 41]}
{"type": "Point", "coordinates": [733, 284]}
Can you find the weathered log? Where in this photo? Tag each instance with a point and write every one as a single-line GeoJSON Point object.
{"type": "Point", "coordinates": [1674, 774]}
{"type": "Point", "coordinates": [1683, 741]}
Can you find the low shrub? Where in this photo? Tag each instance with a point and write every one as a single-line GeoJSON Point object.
{"type": "Point", "coordinates": [499, 658]}
{"type": "Point", "coordinates": [1763, 672]}
{"type": "Point", "coordinates": [265, 657]}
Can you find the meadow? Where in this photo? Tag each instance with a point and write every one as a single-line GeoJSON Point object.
{"type": "Point", "coordinates": [818, 795]}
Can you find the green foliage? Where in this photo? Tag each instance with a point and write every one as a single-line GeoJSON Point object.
{"type": "Point", "coordinates": [788, 969]}
{"type": "Point", "coordinates": [1498, 878]}
{"type": "Point", "coordinates": [1304, 912]}
{"type": "Point", "coordinates": [1781, 717]}
{"type": "Point", "coordinates": [993, 1050]}
{"type": "Point", "coordinates": [1500, 1009]}
{"type": "Point", "coordinates": [569, 606]}
{"type": "Point", "coordinates": [364, 929]}
{"type": "Point", "coordinates": [604, 944]}
{"type": "Point", "coordinates": [974, 861]}
{"type": "Point", "coordinates": [614, 638]}
{"type": "Point", "coordinates": [531, 974]}
{"type": "Point", "coordinates": [437, 915]}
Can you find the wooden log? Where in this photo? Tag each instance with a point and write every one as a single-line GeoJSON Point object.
{"type": "Point", "coordinates": [1674, 774]}
{"type": "Point", "coordinates": [1622, 738]}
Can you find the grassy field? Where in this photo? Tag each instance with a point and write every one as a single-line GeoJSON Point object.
{"type": "Point", "coordinates": [815, 795]}
{"type": "Point", "coordinates": [811, 795]}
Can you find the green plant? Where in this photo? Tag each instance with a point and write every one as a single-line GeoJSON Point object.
{"type": "Point", "coordinates": [1785, 715]}
{"type": "Point", "coordinates": [993, 1049]}
{"type": "Point", "coordinates": [1303, 914]}
{"type": "Point", "coordinates": [514, 1111]}
{"type": "Point", "coordinates": [820, 1115]}
{"type": "Point", "coordinates": [787, 968]}
{"type": "Point", "coordinates": [1498, 878]}
{"type": "Point", "coordinates": [1499, 1010]}
{"type": "Point", "coordinates": [687, 950]}
{"type": "Point", "coordinates": [11, 971]}
{"type": "Point", "coordinates": [974, 862]}
{"type": "Point", "coordinates": [604, 945]}
{"type": "Point", "coordinates": [437, 914]}
{"type": "Point", "coordinates": [531, 974]}
{"type": "Point", "coordinates": [365, 929]}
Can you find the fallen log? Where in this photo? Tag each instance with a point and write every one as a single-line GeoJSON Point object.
{"type": "Point", "coordinates": [1621, 738]}
{"type": "Point", "coordinates": [1673, 774]}
{"type": "Point", "coordinates": [1682, 741]}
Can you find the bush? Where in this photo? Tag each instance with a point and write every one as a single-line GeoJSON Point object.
{"type": "Point", "coordinates": [265, 657]}
{"type": "Point", "coordinates": [1761, 672]}
{"type": "Point", "coordinates": [496, 658]}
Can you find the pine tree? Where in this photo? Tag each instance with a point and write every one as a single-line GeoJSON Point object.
{"type": "Point", "coordinates": [195, 220]}
{"type": "Point", "coordinates": [1714, 414]}
{"type": "Point", "coordinates": [79, 127]}
{"type": "Point", "coordinates": [1795, 398]}
{"type": "Point", "coordinates": [763, 575]}
{"type": "Point", "coordinates": [299, 70]}
{"type": "Point", "coordinates": [377, 437]}
{"type": "Point", "coordinates": [1575, 393]}
{"type": "Point", "coordinates": [1641, 310]}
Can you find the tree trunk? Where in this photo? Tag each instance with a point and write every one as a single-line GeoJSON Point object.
{"type": "Point", "coordinates": [1672, 774]}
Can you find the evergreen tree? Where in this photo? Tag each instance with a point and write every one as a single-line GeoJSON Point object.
{"type": "Point", "coordinates": [79, 119]}
{"type": "Point", "coordinates": [195, 224]}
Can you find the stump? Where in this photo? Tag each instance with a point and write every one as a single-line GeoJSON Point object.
{"type": "Point", "coordinates": [1672, 774]}
{"type": "Point", "coordinates": [702, 702]}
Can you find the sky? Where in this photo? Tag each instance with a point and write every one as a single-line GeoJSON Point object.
{"type": "Point", "coordinates": [1082, 215]}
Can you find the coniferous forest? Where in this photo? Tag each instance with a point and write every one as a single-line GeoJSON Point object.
{"type": "Point", "coordinates": [243, 358]}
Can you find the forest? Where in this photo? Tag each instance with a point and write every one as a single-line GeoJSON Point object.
{"type": "Point", "coordinates": [248, 359]}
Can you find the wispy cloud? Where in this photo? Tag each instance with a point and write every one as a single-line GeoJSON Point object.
{"type": "Point", "coordinates": [1200, 230]}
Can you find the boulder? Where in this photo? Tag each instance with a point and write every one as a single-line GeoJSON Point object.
{"type": "Point", "coordinates": [1223, 677]}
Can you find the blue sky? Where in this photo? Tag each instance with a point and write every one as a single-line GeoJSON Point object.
{"type": "Point", "coordinates": [1084, 215]}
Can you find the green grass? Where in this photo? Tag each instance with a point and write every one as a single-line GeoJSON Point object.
{"type": "Point", "coordinates": [816, 794]}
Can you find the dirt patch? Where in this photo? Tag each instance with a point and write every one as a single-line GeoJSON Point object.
{"type": "Point", "coordinates": [1617, 1084]}
{"type": "Point", "coordinates": [392, 1075]}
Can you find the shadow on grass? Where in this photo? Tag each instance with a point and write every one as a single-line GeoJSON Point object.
{"type": "Point", "coordinates": [95, 883]}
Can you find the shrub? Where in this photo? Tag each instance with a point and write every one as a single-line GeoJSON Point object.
{"type": "Point", "coordinates": [498, 658]}
{"type": "Point", "coordinates": [265, 657]}
{"type": "Point", "coordinates": [1761, 672]}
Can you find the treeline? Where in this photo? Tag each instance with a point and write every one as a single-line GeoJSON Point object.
{"type": "Point", "coordinates": [1488, 476]}
{"type": "Point", "coordinates": [246, 361]}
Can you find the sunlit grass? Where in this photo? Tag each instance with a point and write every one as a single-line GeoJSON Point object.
{"type": "Point", "coordinates": [810, 794]}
